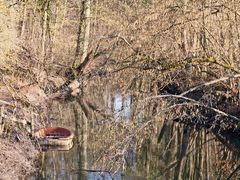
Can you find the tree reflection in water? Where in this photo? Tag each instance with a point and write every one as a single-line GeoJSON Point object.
{"type": "Point", "coordinates": [121, 136]}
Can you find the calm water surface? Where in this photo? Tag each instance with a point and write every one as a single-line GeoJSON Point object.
{"type": "Point", "coordinates": [156, 149]}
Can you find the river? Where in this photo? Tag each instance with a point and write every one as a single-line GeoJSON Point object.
{"type": "Point", "coordinates": [118, 137]}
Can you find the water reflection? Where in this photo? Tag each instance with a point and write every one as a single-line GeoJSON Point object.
{"type": "Point", "coordinates": [68, 165]}
{"type": "Point", "coordinates": [144, 145]}
{"type": "Point", "coordinates": [56, 148]}
{"type": "Point", "coordinates": [118, 105]}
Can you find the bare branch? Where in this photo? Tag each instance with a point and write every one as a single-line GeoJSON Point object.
{"type": "Point", "coordinates": [209, 83]}
{"type": "Point", "coordinates": [197, 103]}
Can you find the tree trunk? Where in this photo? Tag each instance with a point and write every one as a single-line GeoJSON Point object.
{"type": "Point", "coordinates": [83, 33]}
{"type": "Point", "coordinates": [23, 21]}
{"type": "Point", "coordinates": [45, 19]}
{"type": "Point", "coordinates": [44, 32]}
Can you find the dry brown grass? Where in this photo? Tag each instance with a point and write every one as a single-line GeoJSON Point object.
{"type": "Point", "coordinates": [16, 159]}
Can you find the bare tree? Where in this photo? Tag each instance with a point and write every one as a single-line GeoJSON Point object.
{"type": "Point", "coordinates": [83, 33]}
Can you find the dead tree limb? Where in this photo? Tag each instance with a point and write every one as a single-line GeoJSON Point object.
{"type": "Point", "coordinates": [197, 103]}
{"type": "Point", "coordinates": [209, 83]}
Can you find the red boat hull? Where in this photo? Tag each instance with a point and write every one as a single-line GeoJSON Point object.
{"type": "Point", "coordinates": [57, 136]}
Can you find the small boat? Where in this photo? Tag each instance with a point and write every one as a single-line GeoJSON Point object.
{"type": "Point", "coordinates": [54, 136]}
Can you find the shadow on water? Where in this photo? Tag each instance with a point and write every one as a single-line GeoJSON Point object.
{"type": "Point", "coordinates": [117, 138]}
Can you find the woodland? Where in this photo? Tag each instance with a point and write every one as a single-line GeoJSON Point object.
{"type": "Point", "coordinates": [179, 60]}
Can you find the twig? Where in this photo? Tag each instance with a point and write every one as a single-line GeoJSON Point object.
{"type": "Point", "coordinates": [5, 102]}
{"type": "Point", "coordinates": [197, 103]}
{"type": "Point", "coordinates": [235, 170]}
{"type": "Point", "coordinates": [232, 10]}
{"type": "Point", "coordinates": [209, 83]}
{"type": "Point", "coordinates": [93, 170]}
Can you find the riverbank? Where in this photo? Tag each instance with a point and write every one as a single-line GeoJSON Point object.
{"type": "Point", "coordinates": [17, 159]}
{"type": "Point", "coordinates": [23, 109]}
